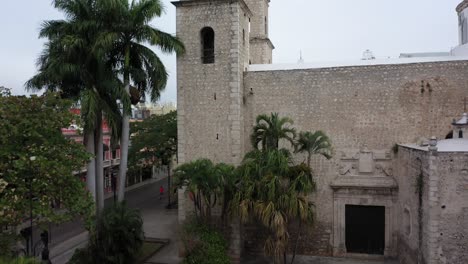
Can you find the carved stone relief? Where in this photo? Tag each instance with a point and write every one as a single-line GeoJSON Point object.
{"type": "Point", "coordinates": [365, 162]}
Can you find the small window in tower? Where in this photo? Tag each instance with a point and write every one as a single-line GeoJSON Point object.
{"type": "Point", "coordinates": [460, 134]}
{"type": "Point", "coordinates": [243, 36]}
{"type": "Point", "coordinates": [266, 26]}
{"type": "Point", "coordinates": [207, 43]}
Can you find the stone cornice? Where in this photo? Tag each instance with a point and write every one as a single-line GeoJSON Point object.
{"type": "Point", "coordinates": [207, 2]}
{"type": "Point", "coordinates": [462, 6]}
{"type": "Point", "coordinates": [363, 182]}
{"type": "Point", "coordinates": [261, 39]}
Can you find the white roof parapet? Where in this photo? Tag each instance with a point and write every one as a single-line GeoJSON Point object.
{"type": "Point", "coordinates": [336, 64]}
{"type": "Point", "coordinates": [445, 145]}
{"type": "Point", "coordinates": [462, 121]}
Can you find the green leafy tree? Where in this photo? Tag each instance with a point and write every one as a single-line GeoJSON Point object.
{"type": "Point", "coordinates": [317, 143]}
{"type": "Point", "coordinates": [154, 140]}
{"type": "Point", "coordinates": [154, 143]}
{"type": "Point", "coordinates": [117, 238]}
{"type": "Point", "coordinates": [127, 29]}
{"type": "Point", "coordinates": [269, 130]}
{"type": "Point", "coordinates": [37, 163]}
{"type": "Point", "coordinates": [274, 192]}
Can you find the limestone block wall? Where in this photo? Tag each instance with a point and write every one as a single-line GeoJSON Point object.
{"type": "Point", "coordinates": [410, 165]}
{"type": "Point", "coordinates": [450, 209]}
{"type": "Point", "coordinates": [261, 51]}
{"type": "Point", "coordinates": [259, 20]}
{"type": "Point", "coordinates": [440, 235]}
{"type": "Point", "coordinates": [209, 96]}
{"type": "Point", "coordinates": [362, 106]}
{"type": "Point", "coordinates": [261, 47]}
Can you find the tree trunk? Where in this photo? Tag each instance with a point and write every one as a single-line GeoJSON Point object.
{"type": "Point", "coordinates": [297, 241]}
{"type": "Point", "coordinates": [169, 186]}
{"type": "Point", "coordinates": [308, 160]}
{"type": "Point", "coordinates": [91, 167]}
{"type": "Point", "coordinates": [99, 164]}
{"type": "Point", "coordinates": [124, 142]}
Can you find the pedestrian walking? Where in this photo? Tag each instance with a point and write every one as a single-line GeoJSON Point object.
{"type": "Point", "coordinates": [161, 192]}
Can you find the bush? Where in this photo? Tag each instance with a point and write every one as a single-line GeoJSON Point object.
{"type": "Point", "coordinates": [204, 245]}
{"type": "Point", "coordinates": [18, 261]}
{"type": "Point", "coordinates": [117, 238]}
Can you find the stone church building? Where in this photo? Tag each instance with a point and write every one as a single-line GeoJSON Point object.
{"type": "Point", "coordinates": [397, 185]}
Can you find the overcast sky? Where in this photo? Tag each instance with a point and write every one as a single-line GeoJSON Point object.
{"type": "Point", "coordinates": [324, 30]}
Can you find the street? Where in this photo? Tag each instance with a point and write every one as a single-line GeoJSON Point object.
{"type": "Point", "coordinates": [145, 198]}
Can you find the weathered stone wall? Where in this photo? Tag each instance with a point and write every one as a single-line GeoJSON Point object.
{"type": "Point", "coordinates": [362, 106]}
{"type": "Point", "coordinates": [376, 105]}
{"type": "Point", "coordinates": [411, 171]}
{"type": "Point", "coordinates": [261, 51]}
{"type": "Point", "coordinates": [209, 96]}
{"type": "Point", "coordinates": [444, 208]}
{"type": "Point", "coordinates": [450, 209]}
{"type": "Point", "coordinates": [260, 45]}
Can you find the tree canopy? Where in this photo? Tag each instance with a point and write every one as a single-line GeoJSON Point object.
{"type": "Point", "coordinates": [154, 140]}
{"type": "Point", "coordinates": [269, 130]}
{"type": "Point", "coordinates": [36, 159]}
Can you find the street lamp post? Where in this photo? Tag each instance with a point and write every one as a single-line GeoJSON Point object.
{"type": "Point", "coordinates": [169, 186]}
{"type": "Point", "coordinates": [45, 251]}
{"type": "Point", "coordinates": [31, 215]}
{"type": "Point", "coordinates": [31, 240]}
{"type": "Point", "coordinates": [114, 184]}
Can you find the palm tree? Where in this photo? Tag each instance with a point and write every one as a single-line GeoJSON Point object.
{"type": "Point", "coordinates": [314, 143]}
{"type": "Point", "coordinates": [228, 178]}
{"type": "Point", "coordinates": [274, 193]}
{"type": "Point", "coordinates": [269, 130]}
{"type": "Point", "coordinates": [202, 182]}
{"type": "Point", "coordinates": [127, 28]}
{"type": "Point", "coordinates": [73, 64]}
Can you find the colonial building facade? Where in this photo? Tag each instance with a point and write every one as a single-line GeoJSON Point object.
{"type": "Point", "coordinates": [375, 197]}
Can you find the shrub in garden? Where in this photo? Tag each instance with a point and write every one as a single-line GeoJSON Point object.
{"type": "Point", "coordinates": [204, 244]}
{"type": "Point", "coordinates": [117, 238]}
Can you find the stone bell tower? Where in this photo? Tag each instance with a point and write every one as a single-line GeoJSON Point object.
{"type": "Point", "coordinates": [210, 78]}
{"type": "Point", "coordinates": [261, 47]}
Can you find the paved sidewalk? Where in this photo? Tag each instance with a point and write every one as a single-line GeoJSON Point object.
{"type": "Point", "coordinates": [63, 252]}
{"type": "Point", "coordinates": [162, 223]}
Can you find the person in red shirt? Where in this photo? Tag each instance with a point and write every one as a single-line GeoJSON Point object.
{"type": "Point", "coordinates": [161, 192]}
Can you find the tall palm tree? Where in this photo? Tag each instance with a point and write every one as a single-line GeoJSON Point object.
{"type": "Point", "coordinates": [72, 64]}
{"type": "Point", "coordinates": [314, 143]}
{"type": "Point", "coordinates": [128, 27]}
{"type": "Point", "coordinates": [269, 130]}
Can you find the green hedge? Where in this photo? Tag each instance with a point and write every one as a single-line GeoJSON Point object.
{"type": "Point", "coordinates": [204, 245]}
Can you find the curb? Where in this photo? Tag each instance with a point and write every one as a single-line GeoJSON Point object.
{"type": "Point", "coordinates": [81, 240]}
{"type": "Point", "coordinates": [135, 186]}
{"type": "Point", "coordinates": [163, 241]}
